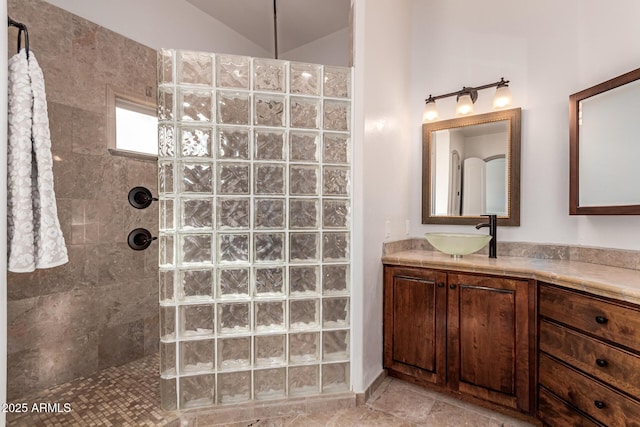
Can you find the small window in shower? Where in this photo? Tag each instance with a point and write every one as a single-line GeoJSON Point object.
{"type": "Point", "coordinates": [133, 126]}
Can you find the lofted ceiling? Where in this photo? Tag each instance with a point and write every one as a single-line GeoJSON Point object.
{"type": "Point", "coordinates": [299, 21]}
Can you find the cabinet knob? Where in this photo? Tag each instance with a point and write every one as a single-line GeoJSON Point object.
{"type": "Point", "coordinates": [441, 285]}
{"type": "Point", "coordinates": [452, 286]}
{"type": "Point", "coordinates": [601, 320]}
{"type": "Point", "coordinates": [601, 362]}
{"type": "Point", "coordinates": [599, 404]}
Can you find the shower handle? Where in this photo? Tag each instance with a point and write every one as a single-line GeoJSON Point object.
{"type": "Point", "coordinates": [141, 197]}
{"type": "Point", "coordinates": [140, 239]}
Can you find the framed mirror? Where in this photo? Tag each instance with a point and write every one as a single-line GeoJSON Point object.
{"type": "Point", "coordinates": [605, 148]}
{"type": "Point", "coordinates": [471, 167]}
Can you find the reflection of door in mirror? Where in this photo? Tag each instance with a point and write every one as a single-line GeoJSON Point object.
{"type": "Point", "coordinates": [455, 181]}
{"type": "Point", "coordinates": [475, 185]}
{"type": "Point", "coordinates": [496, 179]}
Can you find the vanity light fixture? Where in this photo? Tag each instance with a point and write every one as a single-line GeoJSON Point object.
{"type": "Point", "coordinates": [465, 102]}
{"type": "Point", "coordinates": [502, 98]}
{"type": "Point", "coordinates": [466, 97]}
{"type": "Point", "coordinates": [430, 110]}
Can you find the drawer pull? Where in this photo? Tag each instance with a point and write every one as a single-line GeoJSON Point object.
{"type": "Point", "coordinates": [452, 286]}
{"type": "Point", "coordinates": [601, 362]}
{"type": "Point", "coordinates": [441, 285]}
{"type": "Point", "coordinates": [601, 320]}
{"type": "Point", "coordinates": [599, 404]}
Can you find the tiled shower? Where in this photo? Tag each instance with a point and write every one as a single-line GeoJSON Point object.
{"type": "Point", "coordinates": [254, 240]}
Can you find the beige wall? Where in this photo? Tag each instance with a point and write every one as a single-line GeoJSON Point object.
{"type": "Point", "coordinates": [101, 309]}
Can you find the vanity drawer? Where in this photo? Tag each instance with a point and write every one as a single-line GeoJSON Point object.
{"type": "Point", "coordinates": [555, 412]}
{"type": "Point", "coordinates": [615, 322]}
{"type": "Point", "coordinates": [589, 396]}
{"type": "Point", "coordinates": [617, 367]}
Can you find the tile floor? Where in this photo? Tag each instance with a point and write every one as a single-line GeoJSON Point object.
{"type": "Point", "coordinates": [128, 396]}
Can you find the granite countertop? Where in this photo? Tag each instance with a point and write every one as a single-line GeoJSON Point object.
{"type": "Point", "coordinates": [613, 282]}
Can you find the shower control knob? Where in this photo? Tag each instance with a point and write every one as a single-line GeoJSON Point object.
{"type": "Point", "coordinates": [140, 239]}
{"type": "Point", "coordinates": [141, 197]}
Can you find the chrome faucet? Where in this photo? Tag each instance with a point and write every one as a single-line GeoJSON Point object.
{"type": "Point", "coordinates": [493, 231]}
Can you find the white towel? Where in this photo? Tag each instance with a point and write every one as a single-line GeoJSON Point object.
{"type": "Point", "coordinates": [34, 234]}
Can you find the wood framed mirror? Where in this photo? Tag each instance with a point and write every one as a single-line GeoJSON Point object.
{"type": "Point", "coordinates": [471, 167]}
{"type": "Point", "coordinates": [604, 152]}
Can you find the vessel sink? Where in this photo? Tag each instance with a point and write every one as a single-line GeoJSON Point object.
{"type": "Point", "coordinates": [458, 244]}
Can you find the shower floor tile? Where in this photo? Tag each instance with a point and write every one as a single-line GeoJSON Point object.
{"type": "Point", "coordinates": [129, 395]}
{"type": "Point", "coordinates": [126, 395]}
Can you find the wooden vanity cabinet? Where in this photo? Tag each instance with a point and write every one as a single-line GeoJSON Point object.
{"type": "Point", "coordinates": [488, 333]}
{"type": "Point", "coordinates": [466, 332]}
{"type": "Point", "coordinates": [415, 304]}
{"type": "Point", "coordinates": [589, 361]}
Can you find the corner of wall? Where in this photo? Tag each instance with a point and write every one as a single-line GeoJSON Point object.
{"type": "Point", "coordinates": [3, 214]}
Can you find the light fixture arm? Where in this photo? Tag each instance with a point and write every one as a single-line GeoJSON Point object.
{"type": "Point", "coordinates": [472, 91]}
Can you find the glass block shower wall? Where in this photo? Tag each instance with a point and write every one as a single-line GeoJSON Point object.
{"type": "Point", "coordinates": [254, 188]}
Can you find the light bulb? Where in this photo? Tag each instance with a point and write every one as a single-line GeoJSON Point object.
{"type": "Point", "coordinates": [430, 112]}
{"type": "Point", "coordinates": [502, 97]}
{"type": "Point", "coordinates": [465, 105]}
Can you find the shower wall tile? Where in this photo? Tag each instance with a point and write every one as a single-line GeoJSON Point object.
{"type": "Point", "coordinates": [121, 343]}
{"type": "Point", "coordinates": [88, 139]}
{"type": "Point", "coordinates": [195, 68]}
{"type": "Point", "coordinates": [21, 323]}
{"type": "Point", "coordinates": [305, 78]}
{"type": "Point", "coordinates": [64, 215]}
{"type": "Point", "coordinates": [269, 213]}
{"type": "Point", "coordinates": [269, 110]}
{"type": "Point", "coordinates": [232, 143]}
{"type": "Point", "coordinates": [195, 141]}
{"type": "Point", "coordinates": [269, 145]}
{"type": "Point", "coordinates": [151, 335]}
{"type": "Point", "coordinates": [232, 71]}
{"type": "Point", "coordinates": [145, 174]}
{"type": "Point", "coordinates": [192, 285]}
{"type": "Point", "coordinates": [81, 266]}
{"type": "Point", "coordinates": [150, 256]}
{"type": "Point", "coordinates": [269, 75]}
{"type": "Point", "coordinates": [60, 317]}
{"type": "Point", "coordinates": [23, 373]}
{"type": "Point", "coordinates": [108, 218]}
{"type": "Point", "coordinates": [233, 108]}
{"type": "Point", "coordinates": [337, 82]}
{"type": "Point", "coordinates": [195, 105]}
{"type": "Point", "coordinates": [234, 387]}
{"type": "Point", "coordinates": [166, 59]}
{"type": "Point", "coordinates": [122, 303]}
{"type": "Point", "coordinates": [197, 391]}
{"type": "Point", "coordinates": [81, 352]}
{"type": "Point", "coordinates": [60, 127]}
{"type": "Point", "coordinates": [117, 264]}
{"type": "Point", "coordinates": [25, 285]}
{"type": "Point", "coordinates": [65, 314]}
{"type": "Point", "coordinates": [270, 383]}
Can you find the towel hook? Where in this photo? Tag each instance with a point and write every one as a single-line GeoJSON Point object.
{"type": "Point", "coordinates": [21, 29]}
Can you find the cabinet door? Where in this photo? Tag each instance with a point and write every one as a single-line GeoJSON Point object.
{"type": "Point", "coordinates": [488, 338]}
{"type": "Point", "coordinates": [415, 323]}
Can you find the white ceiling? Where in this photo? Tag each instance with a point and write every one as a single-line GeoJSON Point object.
{"type": "Point", "coordinates": [299, 21]}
